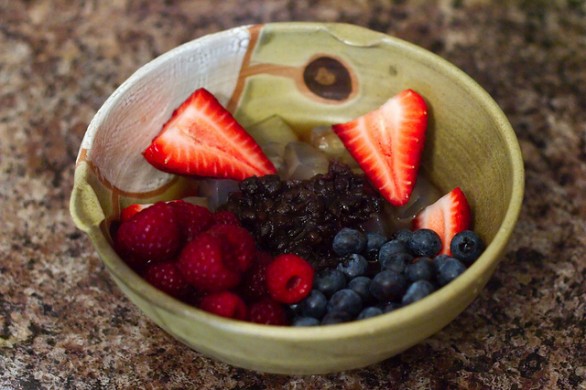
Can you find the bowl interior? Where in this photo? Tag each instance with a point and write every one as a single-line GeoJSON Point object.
{"type": "Point", "coordinates": [309, 75]}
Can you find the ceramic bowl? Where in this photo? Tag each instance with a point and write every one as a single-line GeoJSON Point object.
{"type": "Point", "coordinates": [309, 74]}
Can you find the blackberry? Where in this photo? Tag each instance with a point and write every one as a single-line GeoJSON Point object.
{"type": "Point", "coordinates": [303, 216]}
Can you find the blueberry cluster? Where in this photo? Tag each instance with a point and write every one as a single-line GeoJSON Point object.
{"type": "Point", "coordinates": [376, 275]}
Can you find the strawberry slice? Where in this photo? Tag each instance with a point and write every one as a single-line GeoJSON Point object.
{"type": "Point", "coordinates": [202, 138]}
{"type": "Point", "coordinates": [387, 144]}
{"type": "Point", "coordinates": [130, 211]}
{"type": "Point", "coordinates": [448, 216]}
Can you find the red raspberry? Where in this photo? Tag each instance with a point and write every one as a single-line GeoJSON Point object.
{"type": "Point", "coordinates": [225, 304]}
{"type": "Point", "coordinates": [151, 235]}
{"type": "Point", "coordinates": [253, 286]}
{"type": "Point", "coordinates": [203, 264]}
{"type": "Point", "coordinates": [225, 217]}
{"type": "Point", "coordinates": [268, 312]}
{"type": "Point", "coordinates": [289, 278]}
{"type": "Point", "coordinates": [193, 219]}
{"type": "Point", "coordinates": [167, 278]}
{"type": "Point", "coordinates": [239, 248]}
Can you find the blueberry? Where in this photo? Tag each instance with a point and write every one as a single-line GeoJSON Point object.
{"type": "Point", "coordinates": [421, 269]}
{"type": "Point", "coordinates": [368, 312]}
{"type": "Point", "coordinates": [348, 241]}
{"type": "Point", "coordinates": [353, 265]}
{"type": "Point", "coordinates": [374, 241]}
{"type": "Point", "coordinates": [438, 261]}
{"type": "Point", "coordinates": [336, 317]}
{"type": "Point", "coordinates": [403, 235]}
{"type": "Point", "coordinates": [396, 262]}
{"type": "Point", "coordinates": [418, 290]}
{"type": "Point", "coordinates": [390, 306]}
{"type": "Point", "coordinates": [314, 305]}
{"type": "Point", "coordinates": [449, 271]}
{"type": "Point", "coordinates": [388, 285]}
{"type": "Point", "coordinates": [424, 242]}
{"type": "Point", "coordinates": [329, 281]}
{"type": "Point", "coordinates": [305, 321]}
{"type": "Point", "coordinates": [294, 309]}
{"type": "Point", "coordinates": [466, 246]}
{"type": "Point", "coordinates": [345, 300]}
{"type": "Point", "coordinates": [371, 256]}
{"type": "Point", "coordinates": [390, 248]}
{"type": "Point", "coordinates": [361, 285]}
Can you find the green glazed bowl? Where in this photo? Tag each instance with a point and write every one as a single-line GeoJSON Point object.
{"type": "Point", "coordinates": [309, 74]}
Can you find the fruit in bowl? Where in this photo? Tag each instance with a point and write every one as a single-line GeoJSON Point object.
{"type": "Point", "coordinates": [209, 258]}
{"type": "Point", "coordinates": [286, 84]}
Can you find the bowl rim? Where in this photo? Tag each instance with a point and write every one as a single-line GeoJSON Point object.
{"type": "Point", "coordinates": [392, 320]}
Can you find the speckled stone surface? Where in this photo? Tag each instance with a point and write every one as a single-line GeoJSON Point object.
{"type": "Point", "coordinates": [63, 322]}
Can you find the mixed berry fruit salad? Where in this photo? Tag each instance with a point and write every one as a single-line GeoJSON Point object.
{"type": "Point", "coordinates": [338, 227]}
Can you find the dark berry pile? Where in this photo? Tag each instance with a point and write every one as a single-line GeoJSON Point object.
{"type": "Point", "coordinates": [302, 217]}
{"type": "Point", "coordinates": [375, 275]}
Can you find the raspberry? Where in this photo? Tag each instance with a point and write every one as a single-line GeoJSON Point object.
{"type": "Point", "coordinates": [203, 264]}
{"type": "Point", "coordinates": [254, 285]}
{"type": "Point", "coordinates": [289, 278]}
{"type": "Point", "coordinates": [151, 235]}
{"type": "Point", "coordinates": [224, 217]}
{"type": "Point", "coordinates": [167, 278]}
{"type": "Point", "coordinates": [268, 312]}
{"type": "Point", "coordinates": [193, 219]}
{"type": "Point", "coordinates": [225, 304]}
{"type": "Point", "coordinates": [239, 248]}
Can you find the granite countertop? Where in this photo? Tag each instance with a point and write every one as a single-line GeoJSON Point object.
{"type": "Point", "coordinates": [63, 322]}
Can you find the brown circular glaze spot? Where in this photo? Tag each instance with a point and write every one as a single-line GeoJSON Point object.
{"type": "Point", "coordinates": [328, 78]}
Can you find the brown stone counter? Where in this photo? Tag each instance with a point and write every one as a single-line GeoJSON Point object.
{"type": "Point", "coordinates": [65, 325]}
